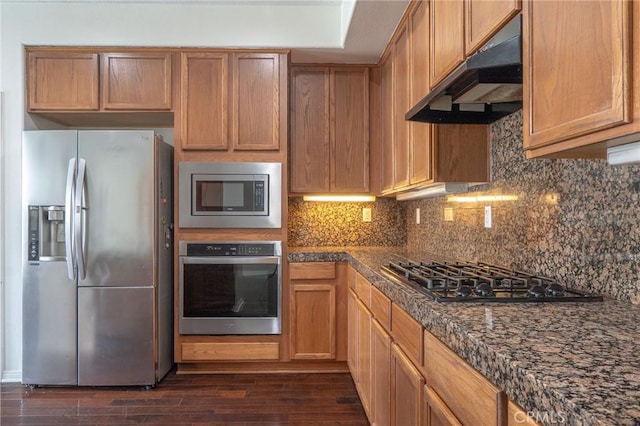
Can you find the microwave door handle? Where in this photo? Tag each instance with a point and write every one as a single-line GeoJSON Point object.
{"type": "Point", "coordinates": [80, 219]}
{"type": "Point", "coordinates": [68, 220]}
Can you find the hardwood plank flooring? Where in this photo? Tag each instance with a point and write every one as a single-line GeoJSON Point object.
{"type": "Point", "coordinates": [225, 399]}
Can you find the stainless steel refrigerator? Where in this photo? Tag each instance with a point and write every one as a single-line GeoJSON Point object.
{"type": "Point", "coordinates": [97, 286]}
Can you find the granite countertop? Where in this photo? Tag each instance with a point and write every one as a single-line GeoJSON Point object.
{"type": "Point", "coordinates": [574, 363]}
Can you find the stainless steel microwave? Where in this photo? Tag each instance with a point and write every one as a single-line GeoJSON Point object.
{"type": "Point", "coordinates": [230, 195]}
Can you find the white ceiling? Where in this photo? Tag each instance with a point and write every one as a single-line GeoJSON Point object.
{"type": "Point", "coordinates": [370, 28]}
{"type": "Point", "coordinates": [340, 31]}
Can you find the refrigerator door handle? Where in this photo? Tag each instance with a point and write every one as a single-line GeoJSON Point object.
{"type": "Point", "coordinates": [69, 222]}
{"type": "Point", "coordinates": [79, 219]}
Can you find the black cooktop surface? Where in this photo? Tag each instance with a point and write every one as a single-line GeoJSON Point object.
{"type": "Point", "coordinates": [481, 282]}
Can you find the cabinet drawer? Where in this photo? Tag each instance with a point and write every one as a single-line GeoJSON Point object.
{"type": "Point", "coordinates": [457, 383]}
{"type": "Point", "coordinates": [407, 332]}
{"type": "Point", "coordinates": [312, 271]}
{"type": "Point", "coordinates": [363, 290]}
{"type": "Point", "coordinates": [381, 308]}
{"type": "Point", "coordinates": [258, 351]}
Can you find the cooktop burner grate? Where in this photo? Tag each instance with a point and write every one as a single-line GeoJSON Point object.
{"type": "Point", "coordinates": [481, 282]}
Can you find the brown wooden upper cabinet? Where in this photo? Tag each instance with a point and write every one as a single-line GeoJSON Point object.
{"type": "Point", "coordinates": [420, 147]}
{"type": "Point", "coordinates": [59, 80]}
{"type": "Point", "coordinates": [330, 130]}
{"type": "Point", "coordinates": [485, 18]}
{"type": "Point", "coordinates": [447, 38]}
{"type": "Point", "coordinates": [460, 27]}
{"type": "Point", "coordinates": [232, 100]}
{"type": "Point", "coordinates": [136, 81]}
{"type": "Point", "coordinates": [387, 121]}
{"type": "Point", "coordinates": [579, 85]}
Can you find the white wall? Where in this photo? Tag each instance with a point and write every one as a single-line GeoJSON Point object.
{"type": "Point", "coordinates": [222, 24]}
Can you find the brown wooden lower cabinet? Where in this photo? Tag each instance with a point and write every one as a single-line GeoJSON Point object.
{"type": "Point", "coordinates": [230, 351]}
{"type": "Point", "coordinates": [406, 377]}
{"type": "Point", "coordinates": [406, 389]}
{"type": "Point", "coordinates": [435, 411]}
{"type": "Point", "coordinates": [364, 356]}
{"type": "Point", "coordinates": [380, 375]}
{"type": "Point", "coordinates": [457, 383]}
{"type": "Point", "coordinates": [313, 325]}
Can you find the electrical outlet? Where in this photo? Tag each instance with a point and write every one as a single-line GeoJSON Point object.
{"type": "Point", "coordinates": [417, 215]}
{"type": "Point", "coordinates": [487, 216]}
{"type": "Point", "coordinates": [448, 214]}
{"type": "Point", "coordinates": [366, 214]}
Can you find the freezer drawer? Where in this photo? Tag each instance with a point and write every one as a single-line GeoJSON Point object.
{"type": "Point", "coordinates": [116, 336]}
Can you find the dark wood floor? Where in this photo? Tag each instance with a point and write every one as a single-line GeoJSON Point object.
{"type": "Point", "coordinates": [233, 399]}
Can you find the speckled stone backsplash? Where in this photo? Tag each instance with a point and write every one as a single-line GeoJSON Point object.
{"type": "Point", "coordinates": [340, 224]}
{"type": "Point", "coordinates": [576, 220]}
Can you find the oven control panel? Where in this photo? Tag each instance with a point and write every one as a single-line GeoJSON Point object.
{"type": "Point", "coordinates": [266, 248]}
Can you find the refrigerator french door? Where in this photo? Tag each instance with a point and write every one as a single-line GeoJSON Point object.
{"type": "Point", "coordinates": [97, 293]}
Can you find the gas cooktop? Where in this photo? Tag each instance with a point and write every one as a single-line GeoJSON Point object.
{"type": "Point", "coordinates": [481, 282]}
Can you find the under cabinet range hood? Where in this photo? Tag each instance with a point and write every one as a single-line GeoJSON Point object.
{"type": "Point", "coordinates": [484, 88]}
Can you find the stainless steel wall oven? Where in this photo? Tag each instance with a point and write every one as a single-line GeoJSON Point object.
{"type": "Point", "coordinates": [230, 287]}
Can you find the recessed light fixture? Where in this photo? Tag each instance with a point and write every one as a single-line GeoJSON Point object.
{"type": "Point", "coordinates": [340, 198]}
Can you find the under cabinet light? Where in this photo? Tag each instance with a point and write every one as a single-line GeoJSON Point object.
{"type": "Point", "coordinates": [624, 154]}
{"type": "Point", "coordinates": [340, 198]}
{"type": "Point", "coordinates": [480, 198]}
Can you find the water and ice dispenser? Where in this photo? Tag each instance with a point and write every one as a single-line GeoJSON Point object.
{"type": "Point", "coordinates": [46, 233]}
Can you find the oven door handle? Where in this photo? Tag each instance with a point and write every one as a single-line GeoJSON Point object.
{"type": "Point", "coordinates": [230, 260]}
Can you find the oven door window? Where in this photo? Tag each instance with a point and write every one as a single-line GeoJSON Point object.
{"type": "Point", "coordinates": [230, 290]}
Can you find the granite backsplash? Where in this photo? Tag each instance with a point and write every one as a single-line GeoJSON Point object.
{"type": "Point", "coordinates": [576, 220]}
{"type": "Point", "coordinates": [340, 224]}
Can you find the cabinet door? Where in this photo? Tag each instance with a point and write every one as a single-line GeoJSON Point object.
{"type": "Point", "coordinates": [380, 375]}
{"type": "Point", "coordinates": [576, 81]}
{"type": "Point", "coordinates": [420, 149]}
{"type": "Point", "coordinates": [447, 38]}
{"type": "Point", "coordinates": [364, 357]}
{"type": "Point", "coordinates": [256, 101]}
{"type": "Point", "coordinates": [349, 129]}
{"type": "Point", "coordinates": [387, 124]}
{"type": "Point", "coordinates": [484, 19]}
{"type": "Point", "coordinates": [204, 112]}
{"type": "Point", "coordinates": [436, 412]}
{"type": "Point", "coordinates": [401, 102]}
{"type": "Point", "coordinates": [62, 81]}
{"type": "Point", "coordinates": [406, 389]}
{"type": "Point", "coordinates": [313, 321]}
{"type": "Point", "coordinates": [352, 335]}
{"type": "Point", "coordinates": [310, 143]}
{"type": "Point", "coordinates": [136, 81]}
